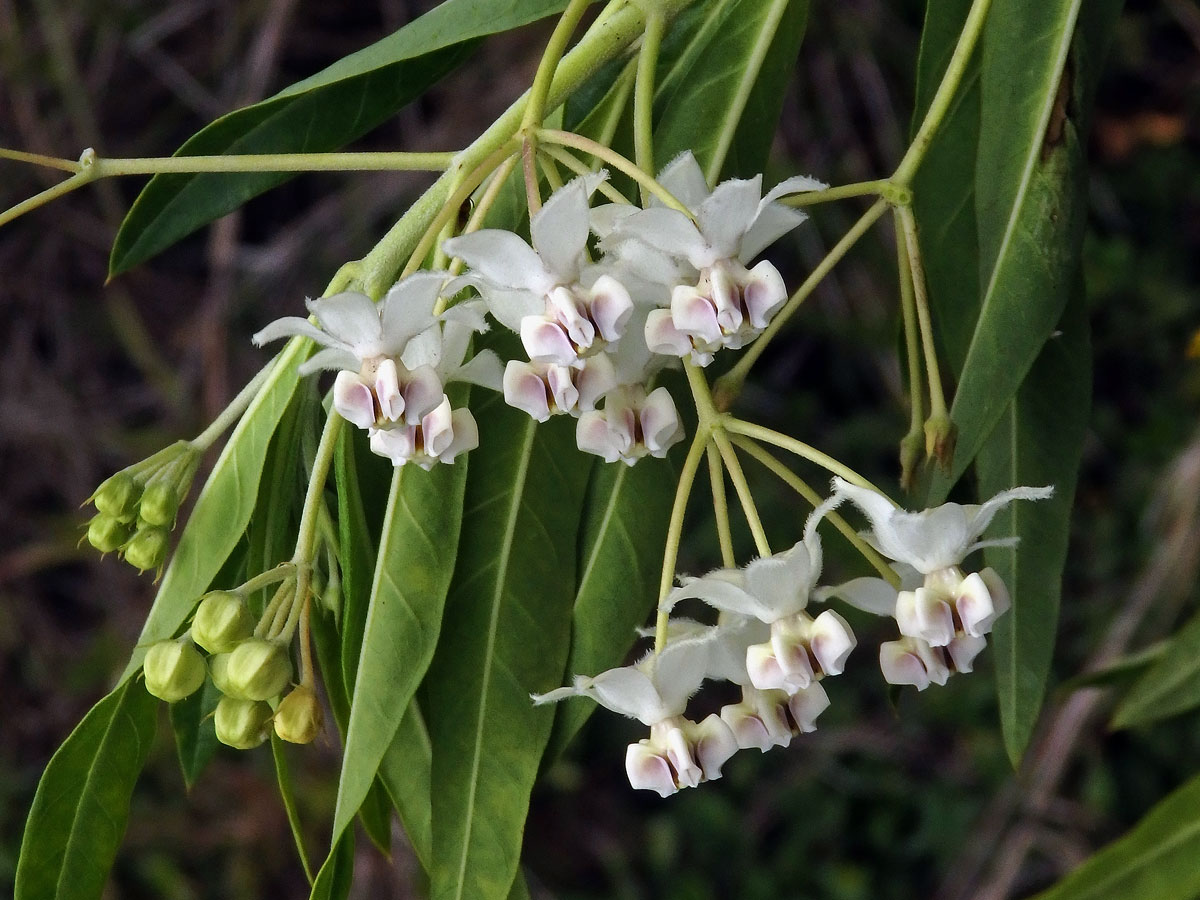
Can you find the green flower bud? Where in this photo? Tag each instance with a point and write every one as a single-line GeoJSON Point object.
{"type": "Point", "coordinates": [941, 435]}
{"type": "Point", "coordinates": [173, 670]}
{"type": "Point", "coordinates": [221, 622]}
{"type": "Point", "coordinates": [147, 549]}
{"type": "Point", "coordinates": [243, 724]}
{"type": "Point", "coordinates": [258, 669]}
{"type": "Point", "coordinates": [298, 718]}
{"type": "Point", "coordinates": [107, 533]}
{"type": "Point", "coordinates": [218, 668]}
{"type": "Point", "coordinates": [117, 495]}
{"type": "Point", "coordinates": [159, 504]}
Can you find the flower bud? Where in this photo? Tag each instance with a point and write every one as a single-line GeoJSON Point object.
{"type": "Point", "coordinates": [243, 724]}
{"type": "Point", "coordinates": [159, 504]}
{"type": "Point", "coordinates": [218, 669]}
{"type": "Point", "coordinates": [117, 495]}
{"type": "Point", "coordinates": [941, 435]}
{"type": "Point", "coordinates": [173, 670]}
{"type": "Point", "coordinates": [258, 669]}
{"type": "Point", "coordinates": [147, 549]}
{"type": "Point", "coordinates": [107, 533]}
{"type": "Point", "coordinates": [221, 622]}
{"type": "Point", "coordinates": [298, 718]}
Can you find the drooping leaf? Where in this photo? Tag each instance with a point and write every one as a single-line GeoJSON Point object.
{"type": "Point", "coordinates": [321, 113]}
{"type": "Point", "coordinates": [416, 558]}
{"type": "Point", "coordinates": [1154, 861]}
{"type": "Point", "coordinates": [1170, 687]}
{"type": "Point", "coordinates": [1038, 441]}
{"type": "Point", "coordinates": [82, 802]}
{"type": "Point", "coordinates": [505, 636]}
{"type": "Point", "coordinates": [622, 535]}
{"type": "Point", "coordinates": [737, 66]}
{"type": "Point", "coordinates": [406, 775]}
{"type": "Point", "coordinates": [336, 877]}
{"type": "Point", "coordinates": [287, 792]}
{"type": "Point", "coordinates": [195, 736]}
{"type": "Point", "coordinates": [224, 506]}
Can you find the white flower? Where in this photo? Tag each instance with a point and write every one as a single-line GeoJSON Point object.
{"type": "Point", "coordinates": [563, 308]}
{"type": "Point", "coordinates": [679, 753]}
{"type": "Point", "coordinates": [631, 425]}
{"type": "Point", "coordinates": [775, 590]}
{"type": "Point", "coordinates": [728, 305]}
{"type": "Point", "coordinates": [547, 389]}
{"type": "Point", "coordinates": [766, 719]}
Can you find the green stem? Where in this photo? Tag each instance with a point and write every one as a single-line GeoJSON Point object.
{"type": "Point", "coordinates": [479, 215]}
{"type": "Point", "coordinates": [944, 95]}
{"type": "Point", "coordinates": [716, 477]}
{"type": "Point", "coordinates": [908, 223]}
{"type": "Point", "coordinates": [801, 487]}
{"type": "Point", "coordinates": [309, 515]}
{"type": "Point", "coordinates": [267, 622]}
{"type": "Point", "coordinates": [687, 477]}
{"type": "Point", "coordinates": [533, 196]}
{"type": "Point", "coordinates": [539, 92]}
{"type": "Point", "coordinates": [841, 192]}
{"type": "Point", "coordinates": [730, 384]}
{"type": "Point", "coordinates": [617, 161]}
{"type": "Point", "coordinates": [799, 448]}
{"type": "Point", "coordinates": [37, 159]}
{"type": "Point", "coordinates": [550, 172]}
{"type": "Point", "coordinates": [742, 487]}
{"type": "Point", "coordinates": [281, 572]}
{"type": "Point", "coordinates": [234, 410]}
{"type": "Point", "coordinates": [77, 180]}
{"type": "Point", "coordinates": [643, 97]}
{"type": "Point", "coordinates": [911, 346]}
{"type": "Point", "coordinates": [579, 167]}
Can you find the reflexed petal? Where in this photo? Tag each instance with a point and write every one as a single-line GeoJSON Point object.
{"type": "Point", "coordinates": [546, 341]}
{"type": "Point", "coordinates": [806, 705]}
{"type": "Point", "coordinates": [466, 435]}
{"type": "Point", "coordinates": [607, 216]}
{"type": "Point", "coordinates": [684, 180]}
{"type": "Point", "coordinates": [983, 515]}
{"type": "Point", "coordinates": [510, 307]}
{"type": "Point", "coordinates": [963, 650]}
{"type": "Point", "coordinates": [831, 640]}
{"type": "Point", "coordinates": [713, 743]}
{"type": "Point", "coordinates": [667, 230]}
{"type": "Point", "coordinates": [502, 259]}
{"type": "Point", "coordinates": [387, 390]}
{"type": "Point", "coordinates": [780, 582]}
{"type": "Point", "coordinates": [482, 369]}
{"type": "Point", "coordinates": [407, 309]}
{"type": "Point", "coordinates": [626, 690]}
{"type": "Point", "coordinates": [352, 399]}
{"type": "Point", "coordinates": [678, 671]}
{"type": "Point", "coordinates": [350, 318]}
{"type": "Point", "coordinates": [661, 428]}
{"type": "Point", "coordinates": [649, 770]}
{"type": "Point", "coordinates": [726, 215]}
{"type": "Point", "coordinates": [873, 595]}
{"type": "Point", "coordinates": [423, 393]}
{"type": "Point", "coordinates": [560, 229]}
{"type": "Point", "coordinates": [525, 390]}
{"type": "Point", "coordinates": [611, 307]}
{"type": "Point", "coordinates": [764, 295]}
{"type": "Point", "coordinates": [291, 326]}
{"type": "Point", "coordinates": [663, 337]}
{"type": "Point", "coordinates": [772, 222]}
{"type": "Point", "coordinates": [329, 358]}
{"type": "Point", "coordinates": [595, 379]}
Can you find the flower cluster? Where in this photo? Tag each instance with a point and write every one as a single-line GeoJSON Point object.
{"type": "Point", "coordinates": [779, 653]}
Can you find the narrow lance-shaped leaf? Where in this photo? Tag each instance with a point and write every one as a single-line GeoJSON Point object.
{"type": "Point", "coordinates": [1037, 441]}
{"type": "Point", "coordinates": [406, 775]}
{"type": "Point", "coordinates": [1154, 861]}
{"type": "Point", "coordinates": [319, 114]}
{"type": "Point", "coordinates": [224, 506]}
{"type": "Point", "coordinates": [1170, 687]}
{"type": "Point", "coordinates": [82, 802]}
{"type": "Point", "coordinates": [505, 636]}
{"type": "Point", "coordinates": [336, 877]}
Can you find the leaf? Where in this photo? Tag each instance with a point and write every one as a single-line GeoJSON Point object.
{"type": "Point", "coordinates": [287, 793]}
{"type": "Point", "coordinates": [416, 558]}
{"type": "Point", "coordinates": [622, 535]}
{"type": "Point", "coordinates": [82, 802]}
{"type": "Point", "coordinates": [504, 636]}
{"type": "Point", "coordinates": [223, 508]}
{"type": "Point", "coordinates": [1119, 672]}
{"type": "Point", "coordinates": [195, 736]}
{"type": "Point", "coordinates": [1170, 687]}
{"type": "Point", "coordinates": [738, 64]}
{"type": "Point", "coordinates": [1038, 441]}
{"type": "Point", "coordinates": [405, 773]}
{"type": "Point", "coordinates": [1030, 210]}
{"type": "Point", "coordinates": [357, 557]}
{"type": "Point", "coordinates": [334, 880]}
{"type": "Point", "coordinates": [321, 113]}
{"type": "Point", "coordinates": [1154, 861]}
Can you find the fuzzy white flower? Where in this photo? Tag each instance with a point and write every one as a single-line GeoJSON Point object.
{"type": "Point", "coordinates": [633, 424]}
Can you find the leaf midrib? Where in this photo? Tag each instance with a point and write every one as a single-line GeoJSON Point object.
{"type": "Point", "coordinates": [497, 597]}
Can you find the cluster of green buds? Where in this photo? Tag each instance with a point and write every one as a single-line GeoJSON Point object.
{"type": "Point", "coordinates": [250, 664]}
{"type": "Point", "coordinates": [136, 508]}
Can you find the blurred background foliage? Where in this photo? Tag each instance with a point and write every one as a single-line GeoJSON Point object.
{"type": "Point", "coordinates": [886, 800]}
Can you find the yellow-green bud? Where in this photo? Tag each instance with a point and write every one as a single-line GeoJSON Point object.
{"type": "Point", "coordinates": [117, 495]}
{"type": "Point", "coordinates": [107, 533]}
{"type": "Point", "coordinates": [298, 717]}
{"type": "Point", "coordinates": [218, 668]}
{"type": "Point", "coordinates": [221, 622]}
{"type": "Point", "coordinates": [941, 435]}
{"type": "Point", "coordinates": [243, 724]}
{"type": "Point", "coordinates": [159, 504]}
{"type": "Point", "coordinates": [147, 549]}
{"type": "Point", "coordinates": [258, 669]}
{"type": "Point", "coordinates": [173, 670]}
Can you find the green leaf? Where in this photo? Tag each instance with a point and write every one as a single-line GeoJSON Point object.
{"type": "Point", "coordinates": [505, 636]}
{"type": "Point", "coordinates": [195, 736]}
{"type": "Point", "coordinates": [357, 547]}
{"type": "Point", "coordinates": [406, 776]}
{"type": "Point", "coordinates": [1170, 687]}
{"type": "Point", "coordinates": [622, 536]}
{"type": "Point", "coordinates": [1120, 672]}
{"type": "Point", "coordinates": [320, 113]}
{"type": "Point", "coordinates": [287, 793]}
{"type": "Point", "coordinates": [1038, 441]}
{"type": "Point", "coordinates": [223, 508]}
{"type": "Point", "coordinates": [336, 877]}
{"type": "Point", "coordinates": [737, 67]}
{"type": "Point", "coordinates": [1030, 208]}
{"type": "Point", "coordinates": [416, 558]}
{"type": "Point", "coordinates": [82, 802]}
{"type": "Point", "coordinates": [1154, 861]}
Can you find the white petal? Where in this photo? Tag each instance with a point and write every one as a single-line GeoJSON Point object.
{"type": "Point", "coordinates": [770, 224]}
{"type": "Point", "coordinates": [806, 705]}
{"type": "Point", "coordinates": [502, 259]}
{"type": "Point", "coordinates": [781, 582]}
{"type": "Point", "coordinates": [407, 309]}
{"type": "Point", "coordinates": [482, 369]}
{"type": "Point", "coordinates": [661, 428]}
{"type": "Point", "coordinates": [525, 390]}
{"type": "Point", "coordinates": [628, 691]}
{"type": "Point", "coordinates": [560, 230]}
{"type": "Point", "coordinates": [510, 307]}
{"type": "Point", "coordinates": [726, 215]}
{"type": "Point", "coordinates": [684, 180]}
{"type": "Point", "coordinates": [290, 326]}
{"type": "Point", "coordinates": [713, 743]}
{"type": "Point", "coordinates": [546, 341]}
{"type": "Point", "coordinates": [424, 350]}
{"type": "Point", "coordinates": [329, 358]}
{"type": "Point", "coordinates": [605, 217]}
{"type": "Point", "coordinates": [678, 671]}
{"type": "Point", "coordinates": [423, 392]}
{"type": "Point", "coordinates": [983, 514]}
{"type": "Point", "coordinates": [873, 595]}
{"type": "Point", "coordinates": [831, 640]}
{"type": "Point", "coordinates": [387, 390]}
{"type": "Point", "coordinates": [649, 770]}
{"type": "Point", "coordinates": [352, 399]}
{"type": "Point", "coordinates": [350, 318]}
{"type": "Point", "coordinates": [667, 230]}
{"type": "Point", "coordinates": [466, 435]}
{"type": "Point", "coordinates": [764, 295]}
{"type": "Point", "coordinates": [610, 306]}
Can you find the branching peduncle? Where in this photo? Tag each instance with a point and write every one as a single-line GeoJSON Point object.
{"type": "Point", "coordinates": [687, 477]}
{"type": "Point", "coordinates": [912, 446]}
{"type": "Point", "coordinates": [234, 410]}
{"type": "Point", "coordinates": [716, 477]}
{"type": "Point", "coordinates": [643, 97]}
{"type": "Point", "coordinates": [912, 249]}
{"type": "Point", "coordinates": [742, 487]}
